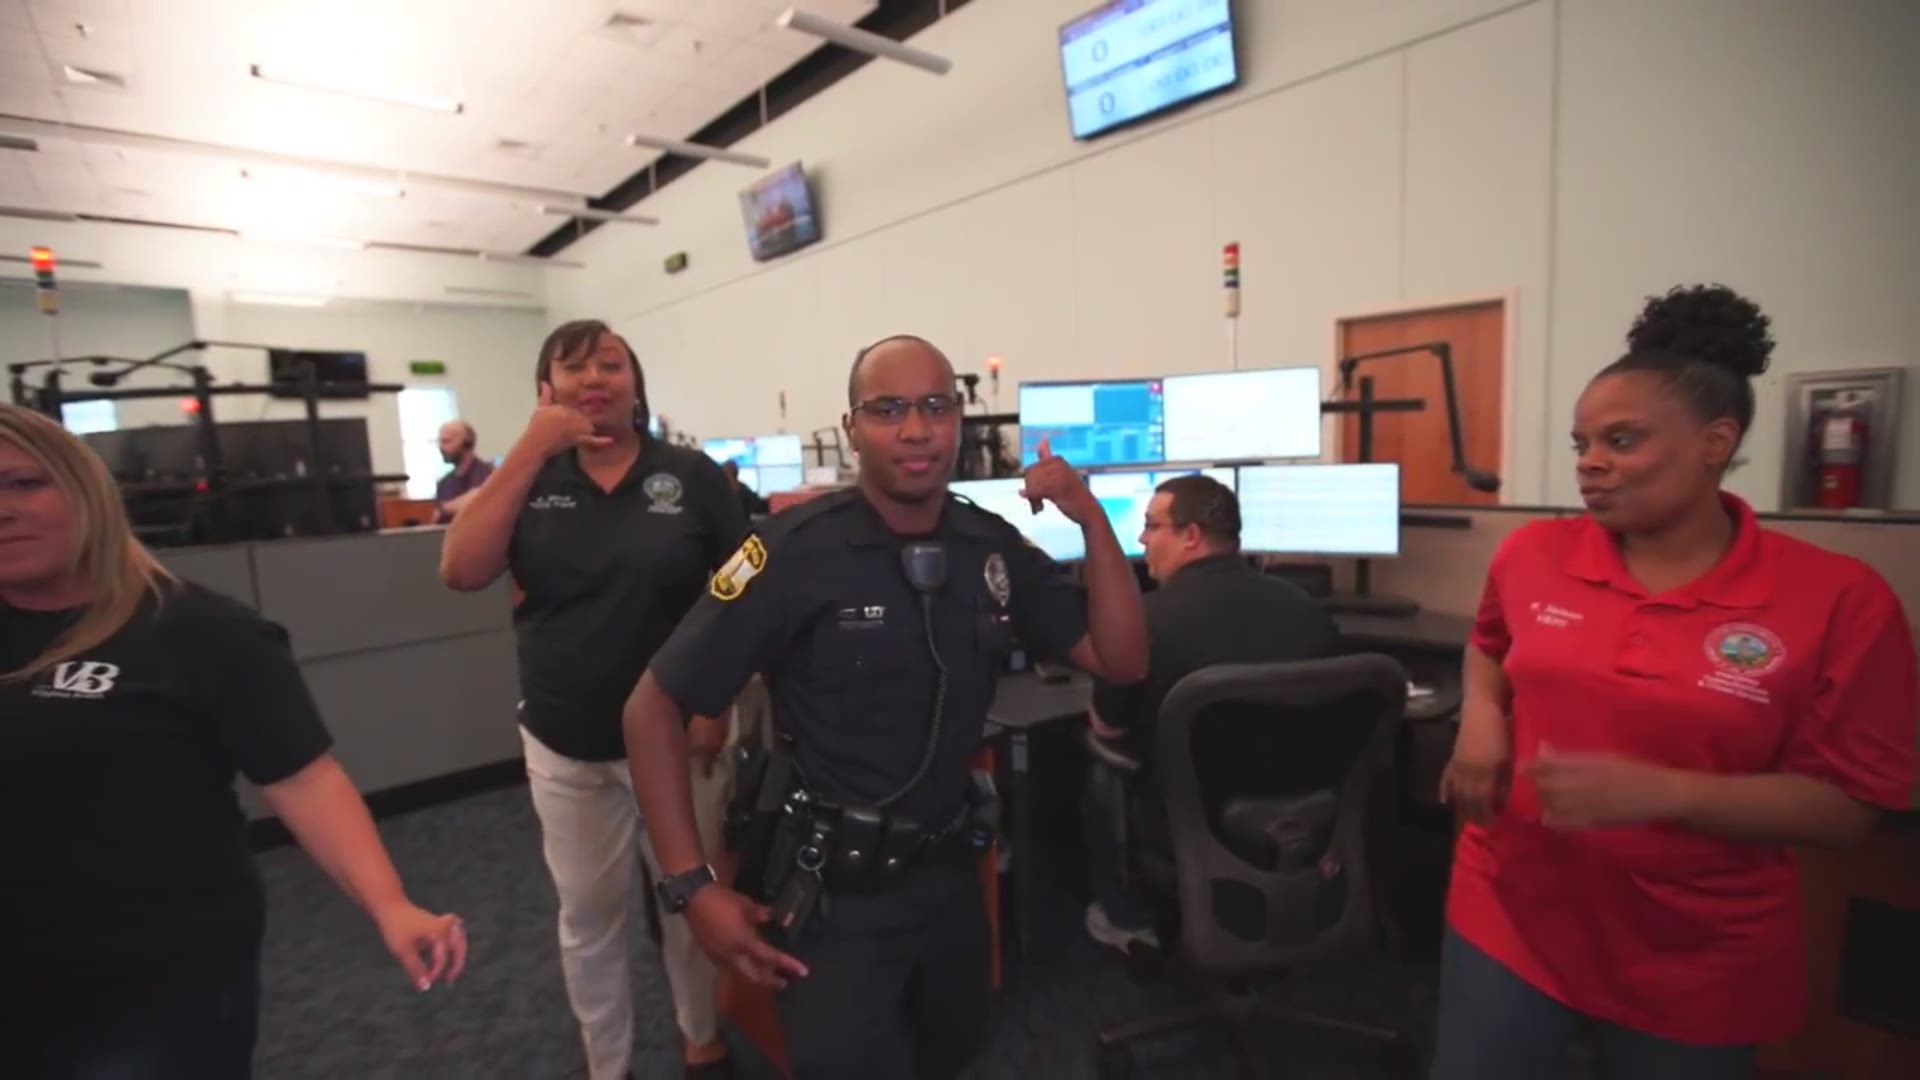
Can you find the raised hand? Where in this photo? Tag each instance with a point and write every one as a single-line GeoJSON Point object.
{"type": "Point", "coordinates": [554, 428]}
{"type": "Point", "coordinates": [1051, 479]}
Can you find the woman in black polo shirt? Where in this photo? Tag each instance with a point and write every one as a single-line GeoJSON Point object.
{"type": "Point", "coordinates": [611, 535]}
{"type": "Point", "coordinates": [130, 912]}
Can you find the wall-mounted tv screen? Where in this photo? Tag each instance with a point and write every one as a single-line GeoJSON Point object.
{"type": "Point", "coordinates": [1127, 60]}
{"type": "Point", "coordinates": [338, 374]}
{"type": "Point", "coordinates": [780, 214]}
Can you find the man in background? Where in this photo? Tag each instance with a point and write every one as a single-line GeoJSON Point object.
{"type": "Point", "coordinates": [751, 502]}
{"type": "Point", "coordinates": [1211, 607]}
{"type": "Point", "coordinates": [457, 440]}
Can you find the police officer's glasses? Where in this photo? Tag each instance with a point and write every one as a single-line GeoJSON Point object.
{"type": "Point", "coordinates": [893, 410]}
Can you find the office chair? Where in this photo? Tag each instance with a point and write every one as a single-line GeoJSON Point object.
{"type": "Point", "coordinates": [1290, 751]}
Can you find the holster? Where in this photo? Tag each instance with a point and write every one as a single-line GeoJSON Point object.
{"type": "Point", "coordinates": [793, 850]}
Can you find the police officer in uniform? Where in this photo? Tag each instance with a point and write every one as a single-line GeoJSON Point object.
{"type": "Point", "coordinates": [880, 617]}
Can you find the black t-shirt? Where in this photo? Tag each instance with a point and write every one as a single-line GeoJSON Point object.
{"type": "Point", "coordinates": [123, 850]}
{"type": "Point", "coordinates": [606, 576]}
{"type": "Point", "coordinates": [818, 602]}
{"type": "Point", "coordinates": [1216, 610]}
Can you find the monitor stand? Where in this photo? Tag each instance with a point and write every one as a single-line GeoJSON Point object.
{"type": "Point", "coordinates": [1362, 600]}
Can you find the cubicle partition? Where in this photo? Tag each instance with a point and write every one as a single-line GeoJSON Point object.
{"type": "Point", "coordinates": [417, 683]}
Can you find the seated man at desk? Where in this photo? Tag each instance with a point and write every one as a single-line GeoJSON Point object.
{"type": "Point", "coordinates": [1211, 607]}
{"type": "Point", "coordinates": [455, 490]}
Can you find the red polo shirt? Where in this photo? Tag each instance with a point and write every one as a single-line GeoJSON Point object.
{"type": "Point", "coordinates": [1784, 658]}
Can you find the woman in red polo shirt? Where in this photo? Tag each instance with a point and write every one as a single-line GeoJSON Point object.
{"type": "Point", "coordinates": [1662, 698]}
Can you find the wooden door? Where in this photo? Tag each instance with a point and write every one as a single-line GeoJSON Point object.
{"type": "Point", "coordinates": [1419, 440]}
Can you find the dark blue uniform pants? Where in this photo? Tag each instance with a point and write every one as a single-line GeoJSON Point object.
{"type": "Point", "coordinates": [897, 984]}
{"type": "Point", "coordinates": [198, 1033]}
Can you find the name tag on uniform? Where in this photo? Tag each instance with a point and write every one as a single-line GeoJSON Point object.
{"type": "Point", "coordinates": [862, 617]}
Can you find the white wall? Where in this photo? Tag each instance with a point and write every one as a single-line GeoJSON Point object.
{"type": "Point", "coordinates": [1578, 153]}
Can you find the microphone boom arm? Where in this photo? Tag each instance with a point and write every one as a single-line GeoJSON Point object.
{"type": "Point", "coordinates": [1475, 478]}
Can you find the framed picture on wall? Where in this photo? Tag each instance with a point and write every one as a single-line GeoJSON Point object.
{"type": "Point", "coordinates": [1842, 440]}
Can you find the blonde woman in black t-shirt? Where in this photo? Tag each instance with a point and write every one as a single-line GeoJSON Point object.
{"type": "Point", "coordinates": [130, 913]}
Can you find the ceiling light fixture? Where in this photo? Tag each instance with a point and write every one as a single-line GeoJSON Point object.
{"type": "Point", "coordinates": [79, 76]}
{"type": "Point", "coordinates": [417, 101]}
{"type": "Point", "coordinates": [278, 299]}
{"type": "Point", "coordinates": [696, 150]}
{"type": "Point", "coordinates": [22, 126]}
{"type": "Point", "coordinates": [18, 142]}
{"type": "Point", "coordinates": [599, 215]}
{"type": "Point", "coordinates": [30, 214]}
{"type": "Point", "coordinates": [862, 41]}
{"type": "Point", "coordinates": [474, 290]}
{"type": "Point", "coordinates": [388, 189]}
{"type": "Point", "coordinates": [311, 241]}
{"type": "Point", "coordinates": [66, 262]}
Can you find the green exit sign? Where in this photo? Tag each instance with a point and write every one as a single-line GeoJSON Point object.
{"type": "Point", "coordinates": [427, 367]}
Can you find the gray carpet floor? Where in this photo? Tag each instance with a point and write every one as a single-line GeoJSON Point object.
{"type": "Point", "coordinates": [335, 1006]}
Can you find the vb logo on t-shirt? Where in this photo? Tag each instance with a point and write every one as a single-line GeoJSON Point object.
{"type": "Point", "coordinates": [80, 679]}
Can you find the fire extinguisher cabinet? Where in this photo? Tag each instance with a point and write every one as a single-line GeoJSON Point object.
{"type": "Point", "coordinates": [1843, 446]}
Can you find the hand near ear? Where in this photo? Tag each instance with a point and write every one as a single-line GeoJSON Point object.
{"type": "Point", "coordinates": [554, 428]}
{"type": "Point", "coordinates": [1051, 479]}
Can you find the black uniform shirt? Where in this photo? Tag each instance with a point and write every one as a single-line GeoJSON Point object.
{"type": "Point", "coordinates": [819, 603]}
{"type": "Point", "coordinates": [1215, 610]}
{"type": "Point", "coordinates": [606, 577]}
{"type": "Point", "coordinates": [123, 852]}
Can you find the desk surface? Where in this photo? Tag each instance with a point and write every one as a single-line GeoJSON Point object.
{"type": "Point", "coordinates": [1425, 630]}
{"type": "Point", "coordinates": [1026, 701]}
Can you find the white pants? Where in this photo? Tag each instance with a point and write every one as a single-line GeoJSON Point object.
{"type": "Point", "coordinates": [589, 822]}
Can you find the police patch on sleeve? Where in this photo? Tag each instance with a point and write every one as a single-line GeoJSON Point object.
{"type": "Point", "coordinates": [999, 585]}
{"type": "Point", "coordinates": [731, 579]}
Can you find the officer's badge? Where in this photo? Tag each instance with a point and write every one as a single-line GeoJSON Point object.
{"type": "Point", "coordinates": [999, 585]}
{"type": "Point", "coordinates": [731, 580]}
{"type": "Point", "coordinates": [664, 489]}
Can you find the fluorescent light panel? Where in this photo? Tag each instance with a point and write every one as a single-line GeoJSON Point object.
{"type": "Point", "coordinates": [79, 76]}
{"type": "Point", "coordinates": [31, 214]}
{"type": "Point", "coordinates": [278, 299]}
{"type": "Point", "coordinates": [859, 40]}
{"type": "Point", "coordinates": [475, 290]}
{"type": "Point", "coordinates": [47, 129]}
{"type": "Point", "coordinates": [417, 101]}
{"type": "Point", "coordinates": [599, 215]}
{"type": "Point", "coordinates": [362, 184]}
{"type": "Point", "coordinates": [697, 150]}
{"type": "Point", "coordinates": [339, 242]}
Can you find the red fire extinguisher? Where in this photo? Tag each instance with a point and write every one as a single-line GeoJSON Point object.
{"type": "Point", "coordinates": [1840, 455]}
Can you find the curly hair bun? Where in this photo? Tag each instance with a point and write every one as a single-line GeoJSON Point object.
{"type": "Point", "coordinates": [1710, 323]}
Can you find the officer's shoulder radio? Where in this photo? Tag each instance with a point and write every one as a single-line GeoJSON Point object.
{"type": "Point", "coordinates": [793, 847]}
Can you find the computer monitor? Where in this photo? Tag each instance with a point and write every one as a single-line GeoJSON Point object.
{"type": "Point", "coordinates": [1125, 495]}
{"type": "Point", "coordinates": [769, 464]}
{"type": "Point", "coordinates": [1050, 530]}
{"type": "Point", "coordinates": [1094, 424]}
{"type": "Point", "coordinates": [1320, 509]}
{"type": "Point", "coordinates": [1243, 415]}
